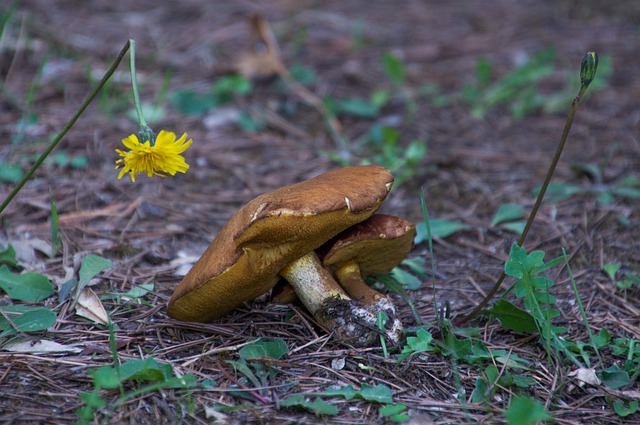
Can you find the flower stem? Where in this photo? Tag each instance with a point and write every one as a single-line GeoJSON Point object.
{"type": "Point", "coordinates": [68, 126]}
{"type": "Point", "coordinates": [134, 84]}
{"type": "Point", "coordinates": [587, 73]}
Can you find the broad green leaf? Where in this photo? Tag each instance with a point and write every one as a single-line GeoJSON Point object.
{"type": "Point", "coordinates": [380, 393]}
{"type": "Point", "coordinates": [347, 392]}
{"type": "Point", "coordinates": [615, 378]}
{"type": "Point", "coordinates": [480, 391]}
{"type": "Point", "coordinates": [623, 410]}
{"type": "Point", "coordinates": [321, 407]}
{"type": "Point", "coordinates": [512, 317]}
{"type": "Point", "coordinates": [90, 266]}
{"type": "Point", "coordinates": [8, 256]}
{"type": "Point", "coordinates": [31, 319]}
{"type": "Point", "coordinates": [506, 213]}
{"type": "Point", "coordinates": [294, 400]}
{"type": "Point", "coordinates": [32, 287]}
{"type": "Point", "coordinates": [557, 192]}
{"type": "Point", "coordinates": [148, 369]}
{"type": "Point", "coordinates": [523, 381]}
{"type": "Point", "coordinates": [439, 229]}
{"type": "Point", "coordinates": [602, 339]}
{"type": "Point", "coordinates": [526, 411]}
{"type": "Point", "coordinates": [516, 227]}
{"type": "Point", "coordinates": [392, 409]}
{"type": "Point", "coordinates": [105, 377]}
{"type": "Point", "coordinates": [139, 291]}
{"type": "Point", "coordinates": [191, 103]}
{"type": "Point", "coordinates": [408, 280]}
{"type": "Point", "coordinates": [416, 344]}
{"type": "Point", "coordinates": [261, 348]}
{"type": "Point", "coordinates": [318, 405]}
{"type": "Point", "coordinates": [10, 173]}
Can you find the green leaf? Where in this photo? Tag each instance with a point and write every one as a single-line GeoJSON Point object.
{"type": "Point", "coordinates": [611, 269]}
{"type": "Point", "coordinates": [90, 266]}
{"type": "Point", "coordinates": [105, 377]}
{"type": "Point", "coordinates": [318, 405]}
{"type": "Point", "coordinates": [10, 173]}
{"type": "Point", "coordinates": [148, 369]}
{"type": "Point", "coordinates": [526, 411]}
{"type": "Point", "coordinates": [264, 347]}
{"type": "Point", "coordinates": [294, 400]}
{"type": "Point", "coordinates": [439, 229]}
{"type": "Point", "coordinates": [139, 291]}
{"type": "Point", "coordinates": [191, 103]}
{"type": "Point", "coordinates": [32, 287]}
{"type": "Point", "coordinates": [523, 381]}
{"type": "Point", "coordinates": [408, 280]}
{"type": "Point", "coordinates": [512, 317]}
{"type": "Point", "coordinates": [8, 256]}
{"type": "Point", "coordinates": [615, 378]}
{"type": "Point", "coordinates": [356, 107]}
{"type": "Point", "coordinates": [392, 409]}
{"type": "Point", "coordinates": [623, 410]}
{"type": "Point", "coordinates": [416, 344]}
{"type": "Point", "coordinates": [347, 392]}
{"type": "Point", "coordinates": [394, 68]}
{"type": "Point", "coordinates": [321, 407]}
{"type": "Point", "coordinates": [506, 213]}
{"type": "Point", "coordinates": [557, 192]}
{"type": "Point", "coordinates": [516, 227]}
{"type": "Point", "coordinates": [602, 339]}
{"type": "Point", "coordinates": [380, 393]}
{"type": "Point", "coordinates": [31, 319]}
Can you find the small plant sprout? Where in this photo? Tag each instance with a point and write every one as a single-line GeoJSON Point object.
{"type": "Point", "coordinates": [588, 68]}
{"type": "Point", "coordinates": [150, 154]}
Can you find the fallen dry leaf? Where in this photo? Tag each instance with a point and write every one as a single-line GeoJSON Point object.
{"type": "Point", "coordinates": [39, 347]}
{"type": "Point", "coordinates": [89, 306]}
{"type": "Point", "coordinates": [585, 376]}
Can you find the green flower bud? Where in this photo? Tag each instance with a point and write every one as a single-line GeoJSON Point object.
{"type": "Point", "coordinates": [588, 68]}
{"type": "Point", "coordinates": [147, 135]}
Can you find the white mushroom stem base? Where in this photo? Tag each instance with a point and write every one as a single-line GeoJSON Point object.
{"type": "Point", "coordinates": [350, 321]}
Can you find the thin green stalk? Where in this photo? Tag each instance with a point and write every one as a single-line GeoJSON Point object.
{"type": "Point", "coordinates": [581, 307]}
{"type": "Point", "coordinates": [134, 84]}
{"type": "Point", "coordinates": [67, 127]}
{"type": "Point", "coordinates": [427, 222]}
{"type": "Point", "coordinates": [588, 69]}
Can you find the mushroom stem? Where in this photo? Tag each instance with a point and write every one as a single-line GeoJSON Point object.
{"type": "Point", "coordinates": [350, 278]}
{"type": "Point", "coordinates": [350, 321]}
{"type": "Point", "coordinates": [312, 282]}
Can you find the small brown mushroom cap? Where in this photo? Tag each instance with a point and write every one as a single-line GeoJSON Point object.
{"type": "Point", "coordinates": [377, 245]}
{"type": "Point", "coordinates": [271, 231]}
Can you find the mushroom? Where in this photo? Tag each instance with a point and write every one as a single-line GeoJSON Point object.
{"type": "Point", "coordinates": [275, 235]}
{"type": "Point", "coordinates": [376, 245]}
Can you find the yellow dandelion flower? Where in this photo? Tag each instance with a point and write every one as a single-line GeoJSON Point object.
{"type": "Point", "coordinates": [159, 159]}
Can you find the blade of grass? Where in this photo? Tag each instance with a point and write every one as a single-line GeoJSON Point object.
{"type": "Point", "coordinates": [427, 223]}
{"type": "Point", "coordinates": [581, 306]}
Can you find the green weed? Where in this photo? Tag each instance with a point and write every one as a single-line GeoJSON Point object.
{"type": "Point", "coordinates": [133, 372]}
{"type": "Point", "coordinates": [224, 90]}
{"type": "Point", "coordinates": [606, 194]}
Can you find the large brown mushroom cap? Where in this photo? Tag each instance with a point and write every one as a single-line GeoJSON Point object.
{"type": "Point", "coordinates": [270, 232]}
